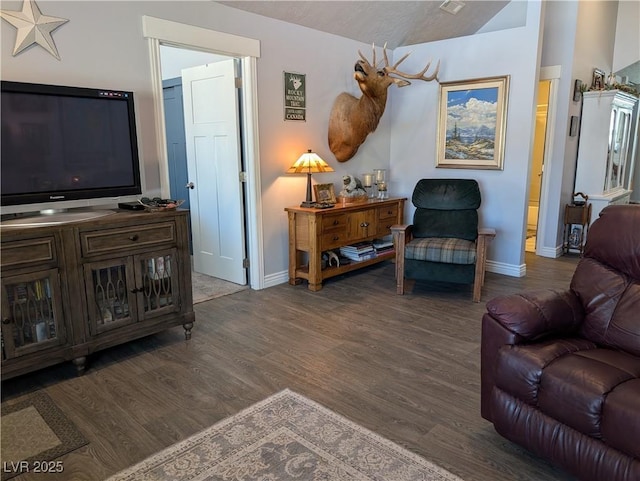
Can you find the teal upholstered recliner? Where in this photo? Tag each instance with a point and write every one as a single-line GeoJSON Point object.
{"type": "Point", "coordinates": [444, 242]}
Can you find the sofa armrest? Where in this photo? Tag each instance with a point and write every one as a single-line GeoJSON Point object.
{"type": "Point", "coordinates": [536, 314]}
{"type": "Point", "coordinates": [520, 318]}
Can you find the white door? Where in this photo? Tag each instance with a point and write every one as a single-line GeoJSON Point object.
{"type": "Point", "coordinates": [214, 165]}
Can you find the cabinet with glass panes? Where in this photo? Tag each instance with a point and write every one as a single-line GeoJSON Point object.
{"type": "Point", "coordinates": [604, 170]}
{"type": "Point", "coordinates": [73, 289]}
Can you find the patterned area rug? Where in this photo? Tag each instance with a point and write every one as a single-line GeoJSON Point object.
{"type": "Point", "coordinates": [285, 437]}
{"type": "Point", "coordinates": [35, 431]}
{"type": "Point", "coordinates": [205, 287]}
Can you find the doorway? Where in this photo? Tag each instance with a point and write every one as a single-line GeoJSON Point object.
{"type": "Point", "coordinates": [165, 32]}
{"type": "Point", "coordinates": [544, 143]}
{"type": "Point", "coordinates": [203, 135]}
{"type": "Point", "coordinates": [537, 165]}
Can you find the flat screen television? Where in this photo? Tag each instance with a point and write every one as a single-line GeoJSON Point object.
{"type": "Point", "coordinates": [64, 147]}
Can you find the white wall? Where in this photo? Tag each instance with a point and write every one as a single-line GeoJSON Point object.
{"type": "Point", "coordinates": [559, 43]}
{"type": "Point", "coordinates": [414, 127]}
{"type": "Point", "coordinates": [627, 41]}
{"type": "Point", "coordinates": [595, 38]}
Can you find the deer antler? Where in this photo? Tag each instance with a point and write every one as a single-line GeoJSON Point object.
{"type": "Point", "coordinates": [420, 75]}
{"type": "Point", "coordinates": [373, 45]}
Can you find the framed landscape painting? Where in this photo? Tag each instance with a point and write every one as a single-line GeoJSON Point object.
{"type": "Point", "coordinates": [471, 125]}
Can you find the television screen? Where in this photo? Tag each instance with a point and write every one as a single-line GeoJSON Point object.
{"type": "Point", "coordinates": [66, 143]}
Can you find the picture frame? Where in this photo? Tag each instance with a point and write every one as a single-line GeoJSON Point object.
{"type": "Point", "coordinates": [325, 193]}
{"type": "Point", "coordinates": [577, 90]}
{"type": "Point", "coordinates": [295, 96]}
{"type": "Point", "coordinates": [472, 123]}
{"type": "Point", "coordinates": [597, 82]}
{"type": "Point", "coordinates": [573, 126]}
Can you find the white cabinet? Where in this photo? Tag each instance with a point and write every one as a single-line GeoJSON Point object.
{"type": "Point", "coordinates": [604, 166]}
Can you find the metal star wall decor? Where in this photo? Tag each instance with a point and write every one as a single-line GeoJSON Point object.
{"type": "Point", "coordinates": [33, 27]}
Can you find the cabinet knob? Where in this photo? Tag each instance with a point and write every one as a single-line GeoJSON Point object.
{"type": "Point", "coordinates": [133, 237]}
{"type": "Point", "coordinates": [6, 320]}
{"type": "Point", "coordinates": [364, 224]}
{"type": "Point", "coordinates": [335, 238]}
{"type": "Point", "coordinates": [389, 212]}
{"type": "Point", "coordinates": [336, 222]}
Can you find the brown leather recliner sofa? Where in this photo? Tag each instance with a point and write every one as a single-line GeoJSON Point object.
{"type": "Point", "coordinates": [561, 369]}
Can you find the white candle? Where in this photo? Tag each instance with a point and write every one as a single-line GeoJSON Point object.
{"type": "Point", "coordinates": [367, 180]}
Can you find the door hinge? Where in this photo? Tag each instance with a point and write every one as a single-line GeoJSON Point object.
{"type": "Point", "coordinates": [245, 263]}
{"type": "Point", "coordinates": [243, 176]}
{"type": "Point", "coordinates": [238, 82]}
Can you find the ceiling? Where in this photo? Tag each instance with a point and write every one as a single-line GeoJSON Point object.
{"type": "Point", "coordinates": [398, 23]}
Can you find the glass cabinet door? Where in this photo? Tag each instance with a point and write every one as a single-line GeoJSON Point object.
{"type": "Point", "coordinates": [158, 281]}
{"type": "Point", "coordinates": [618, 148]}
{"type": "Point", "coordinates": [622, 144]}
{"type": "Point", "coordinates": [110, 294]}
{"type": "Point", "coordinates": [31, 313]}
{"type": "Point", "coordinates": [125, 291]}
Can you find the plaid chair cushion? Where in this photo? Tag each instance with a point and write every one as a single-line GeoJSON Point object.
{"type": "Point", "coordinates": [437, 249]}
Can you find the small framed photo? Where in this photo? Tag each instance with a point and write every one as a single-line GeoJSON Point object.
{"type": "Point", "coordinates": [575, 237]}
{"type": "Point", "coordinates": [597, 83]}
{"type": "Point", "coordinates": [577, 90]}
{"type": "Point", "coordinates": [325, 193]}
{"type": "Point", "coordinates": [573, 127]}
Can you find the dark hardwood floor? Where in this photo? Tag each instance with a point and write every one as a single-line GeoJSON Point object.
{"type": "Point", "coordinates": [406, 367]}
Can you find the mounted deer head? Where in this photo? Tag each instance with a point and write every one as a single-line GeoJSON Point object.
{"type": "Point", "coordinates": [352, 119]}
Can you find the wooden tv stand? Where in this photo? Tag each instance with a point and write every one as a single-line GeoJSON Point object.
{"type": "Point", "coordinates": [75, 288]}
{"type": "Point", "coordinates": [314, 231]}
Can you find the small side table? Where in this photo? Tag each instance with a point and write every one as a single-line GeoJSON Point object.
{"type": "Point", "coordinates": [576, 226]}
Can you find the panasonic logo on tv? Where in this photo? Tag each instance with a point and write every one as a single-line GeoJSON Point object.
{"type": "Point", "coordinates": [56, 197]}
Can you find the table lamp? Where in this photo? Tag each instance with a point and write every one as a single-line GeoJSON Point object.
{"type": "Point", "coordinates": [309, 163]}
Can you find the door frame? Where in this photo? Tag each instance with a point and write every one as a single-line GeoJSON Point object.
{"type": "Point", "coordinates": [553, 75]}
{"type": "Point", "coordinates": [159, 31]}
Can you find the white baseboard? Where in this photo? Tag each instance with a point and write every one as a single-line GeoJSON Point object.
{"type": "Point", "coordinates": [275, 279]}
{"type": "Point", "coordinates": [492, 266]}
{"type": "Point", "coordinates": [506, 269]}
{"type": "Point", "coordinates": [551, 252]}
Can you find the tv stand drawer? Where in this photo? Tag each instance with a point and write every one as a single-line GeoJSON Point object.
{"type": "Point", "coordinates": [28, 251]}
{"type": "Point", "coordinates": [123, 239]}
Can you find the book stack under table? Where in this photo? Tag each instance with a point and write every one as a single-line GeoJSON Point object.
{"type": "Point", "coordinates": [360, 251]}
{"type": "Point", "coordinates": [383, 246]}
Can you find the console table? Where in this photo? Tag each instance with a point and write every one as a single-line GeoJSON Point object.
{"type": "Point", "coordinates": [314, 231]}
{"type": "Point", "coordinates": [74, 288]}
